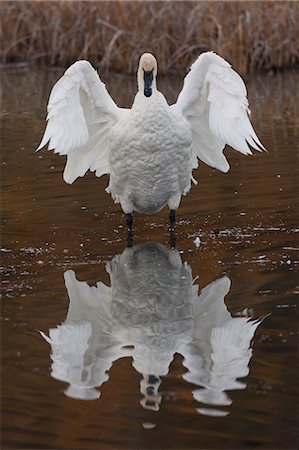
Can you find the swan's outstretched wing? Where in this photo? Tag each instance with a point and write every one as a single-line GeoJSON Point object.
{"type": "Point", "coordinates": [214, 101]}
{"type": "Point", "coordinates": [80, 116]}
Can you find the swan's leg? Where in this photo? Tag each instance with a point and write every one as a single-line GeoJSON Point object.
{"type": "Point", "coordinates": [171, 228]}
{"type": "Point", "coordinates": [130, 238]}
{"type": "Point", "coordinates": [172, 218]}
{"type": "Point", "coordinates": [173, 205]}
{"type": "Point", "coordinates": [172, 240]}
{"type": "Point", "coordinates": [129, 220]}
{"type": "Point", "coordinates": [127, 207]}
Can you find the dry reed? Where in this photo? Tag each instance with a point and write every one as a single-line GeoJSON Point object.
{"type": "Point", "coordinates": [112, 34]}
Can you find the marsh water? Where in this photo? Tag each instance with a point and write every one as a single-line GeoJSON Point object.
{"type": "Point", "coordinates": [132, 354]}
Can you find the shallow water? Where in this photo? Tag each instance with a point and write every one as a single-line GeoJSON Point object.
{"type": "Point", "coordinates": [167, 367]}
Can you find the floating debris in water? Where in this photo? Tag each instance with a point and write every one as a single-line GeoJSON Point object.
{"type": "Point", "coordinates": [212, 412]}
{"type": "Point", "coordinates": [149, 425]}
{"type": "Point", "coordinates": [286, 306]}
{"type": "Point", "coordinates": [197, 242]}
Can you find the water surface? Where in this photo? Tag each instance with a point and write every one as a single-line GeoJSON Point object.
{"type": "Point", "coordinates": [165, 364]}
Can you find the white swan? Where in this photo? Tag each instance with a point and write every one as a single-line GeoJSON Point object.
{"type": "Point", "coordinates": [152, 311]}
{"type": "Point", "coordinates": [150, 150]}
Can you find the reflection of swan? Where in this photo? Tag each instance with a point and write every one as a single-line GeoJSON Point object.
{"type": "Point", "coordinates": [151, 311]}
{"type": "Point", "coordinates": [220, 349]}
{"type": "Point", "coordinates": [151, 149]}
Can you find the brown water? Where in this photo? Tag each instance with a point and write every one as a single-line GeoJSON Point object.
{"type": "Point", "coordinates": [246, 221]}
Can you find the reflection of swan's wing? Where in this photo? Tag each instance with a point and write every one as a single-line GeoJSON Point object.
{"type": "Point", "coordinates": [80, 116]}
{"type": "Point", "coordinates": [229, 360]}
{"type": "Point", "coordinates": [231, 351]}
{"type": "Point", "coordinates": [69, 343]}
{"type": "Point", "coordinates": [220, 351]}
{"type": "Point", "coordinates": [83, 347]}
{"type": "Point", "coordinates": [210, 309]}
{"type": "Point", "coordinates": [225, 356]}
{"type": "Point", "coordinates": [92, 303]}
{"type": "Point", "coordinates": [214, 101]}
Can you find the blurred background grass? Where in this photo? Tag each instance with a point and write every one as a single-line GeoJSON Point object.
{"type": "Point", "coordinates": [112, 35]}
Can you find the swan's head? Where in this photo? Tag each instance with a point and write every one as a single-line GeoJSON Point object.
{"type": "Point", "coordinates": [147, 72]}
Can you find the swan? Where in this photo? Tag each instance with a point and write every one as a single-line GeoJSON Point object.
{"type": "Point", "coordinates": [150, 150]}
{"type": "Point", "coordinates": [152, 310]}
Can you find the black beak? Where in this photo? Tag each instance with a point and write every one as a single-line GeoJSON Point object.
{"type": "Point", "coordinates": [148, 81]}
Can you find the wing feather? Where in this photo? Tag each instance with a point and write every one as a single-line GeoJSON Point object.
{"type": "Point", "coordinates": [80, 116]}
{"type": "Point", "coordinates": [214, 101]}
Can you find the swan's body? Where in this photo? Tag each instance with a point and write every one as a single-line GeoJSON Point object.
{"type": "Point", "coordinates": [150, 150]}
{"type": "Point", "coordinates": [156, 154]}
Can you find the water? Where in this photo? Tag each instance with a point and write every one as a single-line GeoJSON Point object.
{"type": "Point", "coordinates": [180, 369]}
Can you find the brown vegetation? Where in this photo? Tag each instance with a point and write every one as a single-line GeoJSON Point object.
{"type": "Point", "coordinates": [113, 34]}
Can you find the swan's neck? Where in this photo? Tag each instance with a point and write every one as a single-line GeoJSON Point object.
{"type": "Point", "coordinates": [146, 82]}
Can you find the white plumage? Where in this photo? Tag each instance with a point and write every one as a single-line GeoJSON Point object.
{"type": "Point", "coordinates": [152, 311]}
{"type": "Point", "coordinates": [150, 150]}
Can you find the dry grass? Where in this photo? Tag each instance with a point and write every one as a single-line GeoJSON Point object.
{"type": "Point", "coordinates": [112, 34]}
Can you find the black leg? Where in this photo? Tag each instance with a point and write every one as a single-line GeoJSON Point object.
{"type": "Point", "coordinates": [129, 219]}
{"type": "Point", "coordinates": [171, 229]}
{"type": "Point", "coordinates": [130, 238]}
{"type": "Point", "coordinates": [172, 240]}
{"type": "Point", "coordinates": [172, 218]}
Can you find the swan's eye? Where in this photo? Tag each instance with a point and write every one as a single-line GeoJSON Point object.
{"type": "Point", "coordinates": [148, 77]}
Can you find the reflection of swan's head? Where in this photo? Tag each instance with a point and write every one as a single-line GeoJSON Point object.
{"type": "Point", "coordinates": [149, 387]}
{"type": "Point", "coordinates": [147, 72]}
